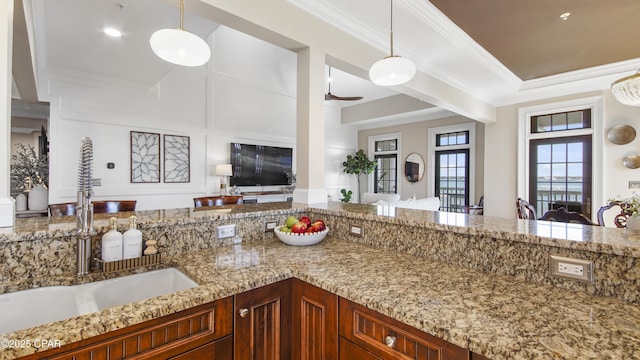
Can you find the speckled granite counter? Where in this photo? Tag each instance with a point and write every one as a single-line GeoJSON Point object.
{"type": "Point", "coordinates": [498, 316]}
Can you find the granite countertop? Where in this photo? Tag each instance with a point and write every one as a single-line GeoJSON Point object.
{"type": "Point", "coordinates": [497, 316]}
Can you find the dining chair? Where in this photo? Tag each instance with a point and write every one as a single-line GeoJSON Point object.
{"type": "Point", "coordinates": [217, 200]}
{"type": "Point", "coordinates": [562, 215]}
{"type": "Point", "coordinates": [525, 210]}
{"type": "Point", "coordinates": [622, 214]}
{"type": "Point", "coordinates": [99, 207]}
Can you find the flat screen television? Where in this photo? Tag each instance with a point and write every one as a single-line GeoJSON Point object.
{"type": "Point", "coordinates": [260, 165]}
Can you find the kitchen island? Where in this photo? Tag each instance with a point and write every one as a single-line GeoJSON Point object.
{"type": "Point", "coordinates": [500, 316]}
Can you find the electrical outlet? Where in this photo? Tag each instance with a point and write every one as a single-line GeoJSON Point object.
{"type": "Point", "coordinates": [270, 225]}
{"type": "Point", "coordinates": [576, 269]}
{"type": "Point", "coordinates": [226, 231]}
{"type": "Point", "coordinates": [634, 184]}
{"type": "Point", "coordinates": [96, 182]}
{"type": "Point", "coordinates": [356, 229]}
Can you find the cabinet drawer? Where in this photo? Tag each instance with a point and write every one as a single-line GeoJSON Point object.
{"type": "Point", "coordinates": [159, 338]}
{"type": "Point", "coordinates": [350, 351]}
{"type": "Point", "coordinates": [391, 339]}
{"type": "Point", "coordinates": [218, 350]}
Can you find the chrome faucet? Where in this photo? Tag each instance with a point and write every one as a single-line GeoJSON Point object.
{"type": "Point", "coordinates": [84, 207]}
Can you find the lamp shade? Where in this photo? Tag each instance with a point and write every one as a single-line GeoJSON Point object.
{"type": "Point", "coordinates": [224, 170]}
{"type": "Point", "coordinates": [392, 70]}
{"type": "Point", "coordinates": [627, 90]}
{"type": "Point", "coordinates": [180, 47]}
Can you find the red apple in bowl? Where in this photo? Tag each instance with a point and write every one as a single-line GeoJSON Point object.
{"type": "Point", "coordinates": [318, 226]}
{"type": "Point", "coordinates": [305, 219]}
{"type": "Point", "coordinates": [299, 228]}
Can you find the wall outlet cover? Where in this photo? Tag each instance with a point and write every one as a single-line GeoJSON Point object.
{"type": "Point", "coordinates": [226, 231]}
{"type": "Point", "coordinates": [575, 269]}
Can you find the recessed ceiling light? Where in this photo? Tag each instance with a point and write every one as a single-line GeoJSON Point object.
{"type": "Point", "coordinates": [565, 16]}
{"type": "Point", "coordinates": [113, 32]}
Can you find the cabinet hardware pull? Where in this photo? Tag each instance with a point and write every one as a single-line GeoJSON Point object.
{"type": "Point", "coordinates": [390, 341]}
{"type": "Point", "coordinates": [243, 313]}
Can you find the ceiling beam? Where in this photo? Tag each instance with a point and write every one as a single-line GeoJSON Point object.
{"type": "Point", "coordinates": [280, 22]}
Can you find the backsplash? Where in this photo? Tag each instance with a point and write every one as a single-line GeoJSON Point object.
{"type": "Point", "coordinates": [45, 255]}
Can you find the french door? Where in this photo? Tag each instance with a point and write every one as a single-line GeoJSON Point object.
{"type": "Point", "coordinates": [452, 179]}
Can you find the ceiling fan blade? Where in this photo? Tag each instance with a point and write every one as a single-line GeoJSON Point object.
{"type": "Point", "coordinates": [330, 96]}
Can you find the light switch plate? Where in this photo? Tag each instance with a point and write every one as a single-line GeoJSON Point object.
{"type": "Point", "coordinates": [270, 225]}
{"type": "Point", "coordinates": [356, 229]}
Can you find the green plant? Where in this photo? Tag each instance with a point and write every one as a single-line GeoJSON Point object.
{"type": "Point", "coordinates": [346, 195]}
{"type": "Point", "coordinates": [359, 164]}
{"type": "Point", "coordinates": [630, 205]}
{"type": "Point", "coordinates": [28, 169]}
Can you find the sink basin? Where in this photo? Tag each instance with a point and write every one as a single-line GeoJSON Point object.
{"type": "Point", "coordinates": [128, 289]}
{"type": "Point", "coordinates": [28, 308]}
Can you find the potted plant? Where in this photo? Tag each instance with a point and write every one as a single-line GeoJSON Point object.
{"type": "Point", "coordinates": [30, 173]}
{"type": "Point", "coordinates": [359, 164]}
{"type": "Point", "coordinates": [631, 208]}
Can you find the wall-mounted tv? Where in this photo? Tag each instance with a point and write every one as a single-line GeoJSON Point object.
{"type": "Point", "coordinates": [260, 165]}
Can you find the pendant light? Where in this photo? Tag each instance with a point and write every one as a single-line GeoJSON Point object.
{"type": "Point", "coordinates": [392, 70]}
{"type": "Point", "coordinates": [178, 46]}
{"type": "Point", "coordinates": [627, 90]}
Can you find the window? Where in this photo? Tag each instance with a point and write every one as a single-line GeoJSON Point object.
{"type": "Point", "coordinates": [560, 155]}
{"type": "Point", "coordinates": [560, 166]}
{"type": "Point", "coordinates": [385, 152]}
{"type": "Point", "coordinates": [452, 164]}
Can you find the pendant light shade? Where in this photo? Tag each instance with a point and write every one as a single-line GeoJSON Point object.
{"type": "Point", "coordinates": [180, 47]}
{"type": "Point", "coordinates": [627, 90]}
{"type": "Point", "coordinates": [392, 70]}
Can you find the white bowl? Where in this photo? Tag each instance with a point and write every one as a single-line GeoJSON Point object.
{"type": "Point", "coordinates": [301, 239]}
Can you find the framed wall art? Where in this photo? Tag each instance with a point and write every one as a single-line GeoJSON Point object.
{"type": "Point", "coordinates": [177, 159]}
{"type": "Point", "coordinates": [145, 157]}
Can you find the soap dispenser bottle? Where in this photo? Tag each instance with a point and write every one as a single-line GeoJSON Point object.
{"type": "Point", "coordinates": [132, 244]}
{"type": "Point", "coordinates": [112, 243]}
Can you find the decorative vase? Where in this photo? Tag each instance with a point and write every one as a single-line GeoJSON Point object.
{"type": "Point", "coordinates": [633, 223]}
{"type": "Point", "coordinates": [21, 202]}
{"type": "Point", "coordinates": [38, 198]}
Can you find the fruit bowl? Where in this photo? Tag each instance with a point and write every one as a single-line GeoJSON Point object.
{"type": "Point", "coordinates": [304, 239]}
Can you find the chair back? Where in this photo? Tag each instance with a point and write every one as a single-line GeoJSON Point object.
{"type": "Point", "coordinates": [99, 206]}
{"type": "Point", "coordinates": [620, 219]}
{"type": "Point", "coordinates": [113, 206]}
{"type": "Point", "coordinates": [64, 209]}
{"type": "Point", "coordinates": [525, 210]}
{"type": "Point", "coordinates": [562, 215]}
{"type": "Point", "coordinates": [217, 200]}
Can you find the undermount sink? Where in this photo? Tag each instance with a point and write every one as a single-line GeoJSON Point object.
{"type": "Point", "coordinates": [28, 308]}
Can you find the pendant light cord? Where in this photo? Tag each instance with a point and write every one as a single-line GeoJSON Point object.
{"type": "Point", "coordinates": [391, 31]}
{"type": "Point", "coordinates": [181, 14]}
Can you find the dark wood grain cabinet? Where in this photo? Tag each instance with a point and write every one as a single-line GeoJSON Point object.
{"type": "Point", "coordinates": [315, 323]}
{"type": "Point", "coordinates": [203, 332]}
{"type": "Point", "coordinates": [387, 338]}
{"type": "Point", "coordinates": [262, 323]}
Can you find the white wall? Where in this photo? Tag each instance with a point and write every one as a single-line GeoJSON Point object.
{"type": "Point", "coordinates": [501, 154]}
{"type": "Point", "coordinates": [247, 97]}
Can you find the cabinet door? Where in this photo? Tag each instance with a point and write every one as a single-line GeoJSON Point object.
{"type": "Point", "coordinates": [160, 338]}
{"type": "Point", "coordinates": [263, 323]}
{"type": "Point", "coordinates": [315, 323]}
{"type": "Point", "coordinates": [390, 339]}
{"type": "Point", "coordinates": [218, 350]}
{"type": "Point", "coordinates": [351, 351]}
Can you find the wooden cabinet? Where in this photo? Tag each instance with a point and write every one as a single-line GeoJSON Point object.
{"type": "Point", "coordinates": [262, 322]}
{"type": "Point", "coordinates": [315, 323]}
{"type": "Point", "coordinates": [193, 331]}
{"type": "Point", "coordinates": [350, 351]}
{"type": "Point", "coordinates": [387, 338]}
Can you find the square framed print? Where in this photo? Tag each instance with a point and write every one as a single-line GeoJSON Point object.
{"type": "Point", "coordinates": [145, 157]}
{"type": "Point", "coordinates": [177, 162]}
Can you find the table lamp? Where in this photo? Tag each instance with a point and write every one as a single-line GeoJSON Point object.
{"type": "Point", "coordinates": [223, 170]}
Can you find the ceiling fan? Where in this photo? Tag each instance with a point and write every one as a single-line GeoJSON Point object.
{"type": "Point", "coordinates": [330, 96]}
